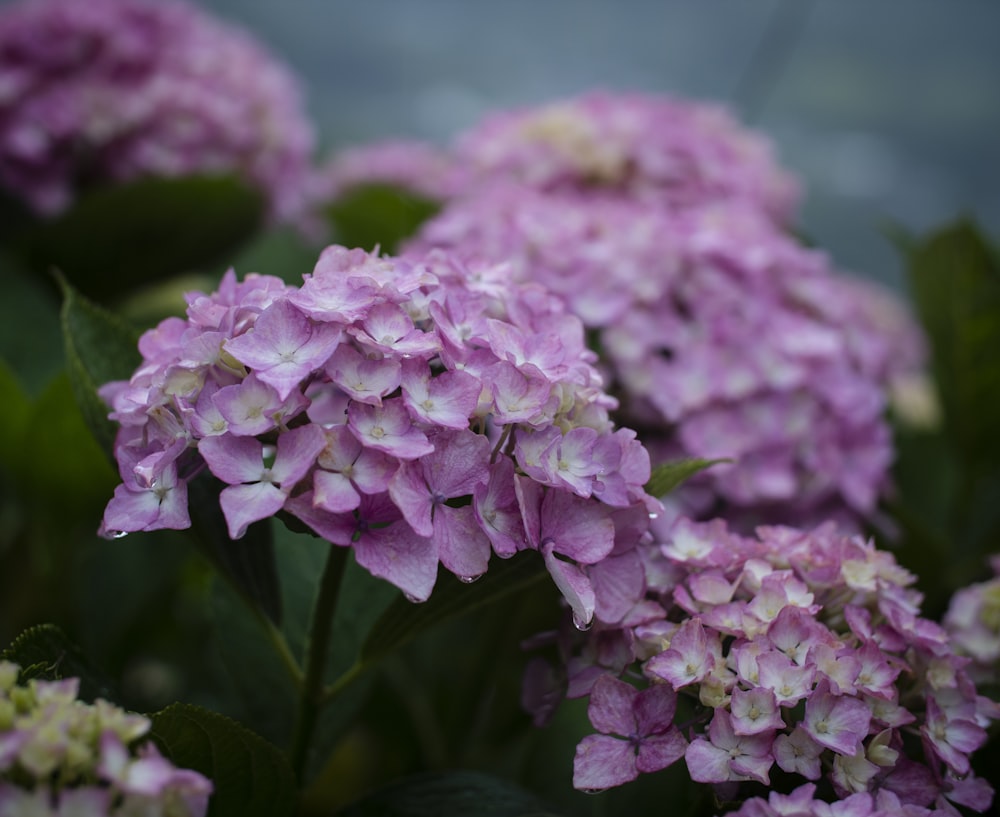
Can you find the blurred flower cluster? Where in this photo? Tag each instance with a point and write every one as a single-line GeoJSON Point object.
{"type": "Point", "coordinates": [109, 91]}
{"type": "Point", "coordinates": [60, 756]}
{"type": "Point", "coordinates": [973, 625]}
{"type": "Point", "coordinates": [663, 225]}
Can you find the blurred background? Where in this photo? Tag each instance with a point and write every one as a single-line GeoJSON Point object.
{"type": "Point", "coordinates": [888, 111]}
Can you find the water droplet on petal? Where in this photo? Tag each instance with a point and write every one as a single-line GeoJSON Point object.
{"type": "Point", "coordinates": [592, 791]}
{"type": "Point", "coordinates": [470, 579]}
{"type": "Point", "coordinates": [582, 624]}
{"type": "Point", "coordinates": [117, 534]}
{"type": "Point", "coordinates": [413, 599]}
{"type": "Point", "coordinates": [654, 516]}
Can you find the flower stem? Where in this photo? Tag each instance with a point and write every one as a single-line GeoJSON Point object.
{"type": "Point", "coordinates": [311, 694]}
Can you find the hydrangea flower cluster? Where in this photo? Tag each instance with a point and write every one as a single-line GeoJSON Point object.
{"type": "Point", "coordinates": [107, 91]}
{"type": "Point", "coordinates": [973, 625]}
{"type": "Point", "coordinates": [61, 757]}
{"type": "Point", "coordinates": [642, 147]}
{"type": "Point", "coordinates": [792, 652]}
{"type": "Point", "coordinates": [722, 337]}
{"type": "Point", "coordinates": [660, 223]}
{"type": "Point", "coordinates": [417, 411]}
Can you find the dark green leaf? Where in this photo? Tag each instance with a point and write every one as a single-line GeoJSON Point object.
{"type": "Point", "coordinates": [45, 652]}
{"type": "Point", "coordinates": [62, 462]}
{"type": "Point", "coordinates": [259, 688]}
{"type": "Point", "coordinates": [99, 348]}
{"type": "Point", "coordinates": [381, 215]}
{"type": "Point", "coordinates": [117, 239]}
{"type": "Point", "coordinates": [405, 620]}
{"type": "Point", "coordinates": [666, 477]}
{"type": "Point", "coordinates": [249, 563]}
{"type": "Point", "coordinates": [16, 406]}
{"type": "Point", "coordinates": [251, 776]}
{"type": "Point", "coordinates": [449, 794]}
{"type": "Point", "coordinates": [280, 252]}
{"type": "Point", "coordinates": [956, 284]}
{"type": "Point", "coordinates": [30, 340]}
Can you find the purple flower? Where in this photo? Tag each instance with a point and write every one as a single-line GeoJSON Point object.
{"type": "Point", "coordinates": [836, 721]}
{"type": "Point", "coordinates": [726, 756]}
{"type": "Point", "coordinates": [644, 720]}
{"type": "Point", "coordinates": [257, 490]}
{"type": "Point", "coordinates": [284, 346]}
{"type": "Point", "coordinates": [161, 504]}
{"type": "Point", "coordinates": [421, 490]}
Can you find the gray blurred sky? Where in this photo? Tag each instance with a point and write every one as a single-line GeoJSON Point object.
{"type": "Point", "coordinates": [889, 109]}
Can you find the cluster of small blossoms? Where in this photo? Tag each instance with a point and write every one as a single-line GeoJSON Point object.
{"type": "Point", "coordinates": [62, 757]}
{"type": "Point", "coordinates": [802, 802]}
{"type": "Point", "coordinates": [659, 222]}
{"type": "Point", "coordinates": [108, 91]}
{"type": "Point", "coordinates": [795, 653]}
{"type": "Point", "coordinates": [722, 338]}
{"type": "Point", "coordinates": [973, 625]}
{"type": "Point", "coordinates": [643, 147]}
{"type": "Point", "coordinates": [418, 411]}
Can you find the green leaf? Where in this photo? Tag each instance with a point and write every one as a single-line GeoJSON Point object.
{"type": "Point", "coordinates": [16, 407]}
{"type": "Point", "coordinates": [257, 687]}
{"type": "Point", "coordinates": [251, 776]}
{"type": "Point", "coordinates": [449, 794]}
{"type": "Point", "coordinates": [62, 463]}
{"type": "Point", "coordinates": [99, 348]}
{"type": "Point", "coordinates": [30, 340]}
{"type": "Point", "coordinates": [45, 652]}
{"type": "Point", "coordinates": [666, 477]}
{"type": "Point", "coordinates": [404, 620]}
{"type": "Point", "coordinates": [955, 277]}
{"type": "Point", "coordinates": [282, 252]}
{"type": "Point", "coordinates": [119, 238]}
{"type": "Point", "coordinates": [382, 215]}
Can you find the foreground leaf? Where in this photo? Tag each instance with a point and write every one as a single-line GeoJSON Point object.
{"type": "Point", "coordinates": [449, 794]}
{"type": "Point", "coordinates": [250, 775]}
{"type": "Point", "coordinates": [99, 348]}
{"type": "Point", "coordinates": [46, 652]}
{"type": "Point", "coordinates": [668, 476]}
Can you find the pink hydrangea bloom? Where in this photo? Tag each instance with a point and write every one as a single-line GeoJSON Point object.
{"type": "Point", "coordinates": [645, 147]}
{"type": "Point", "coordinates": [418, 410]}
{"type": "Point", "coordinates": [107, 91]}
{"type": "Point", "coordinates": [845, 684]}
{"type": "Point", "coordinates": [61, 756]}
{"type": "Point", "coordinates": [722, 336]}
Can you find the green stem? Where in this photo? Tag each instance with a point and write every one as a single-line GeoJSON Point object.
{"type": "Point", "coordinates": [277, 639]}
{"type": "Point", "coordinates": [311, 694]}
{"type": "Point", "coordinates": [349, 676]}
